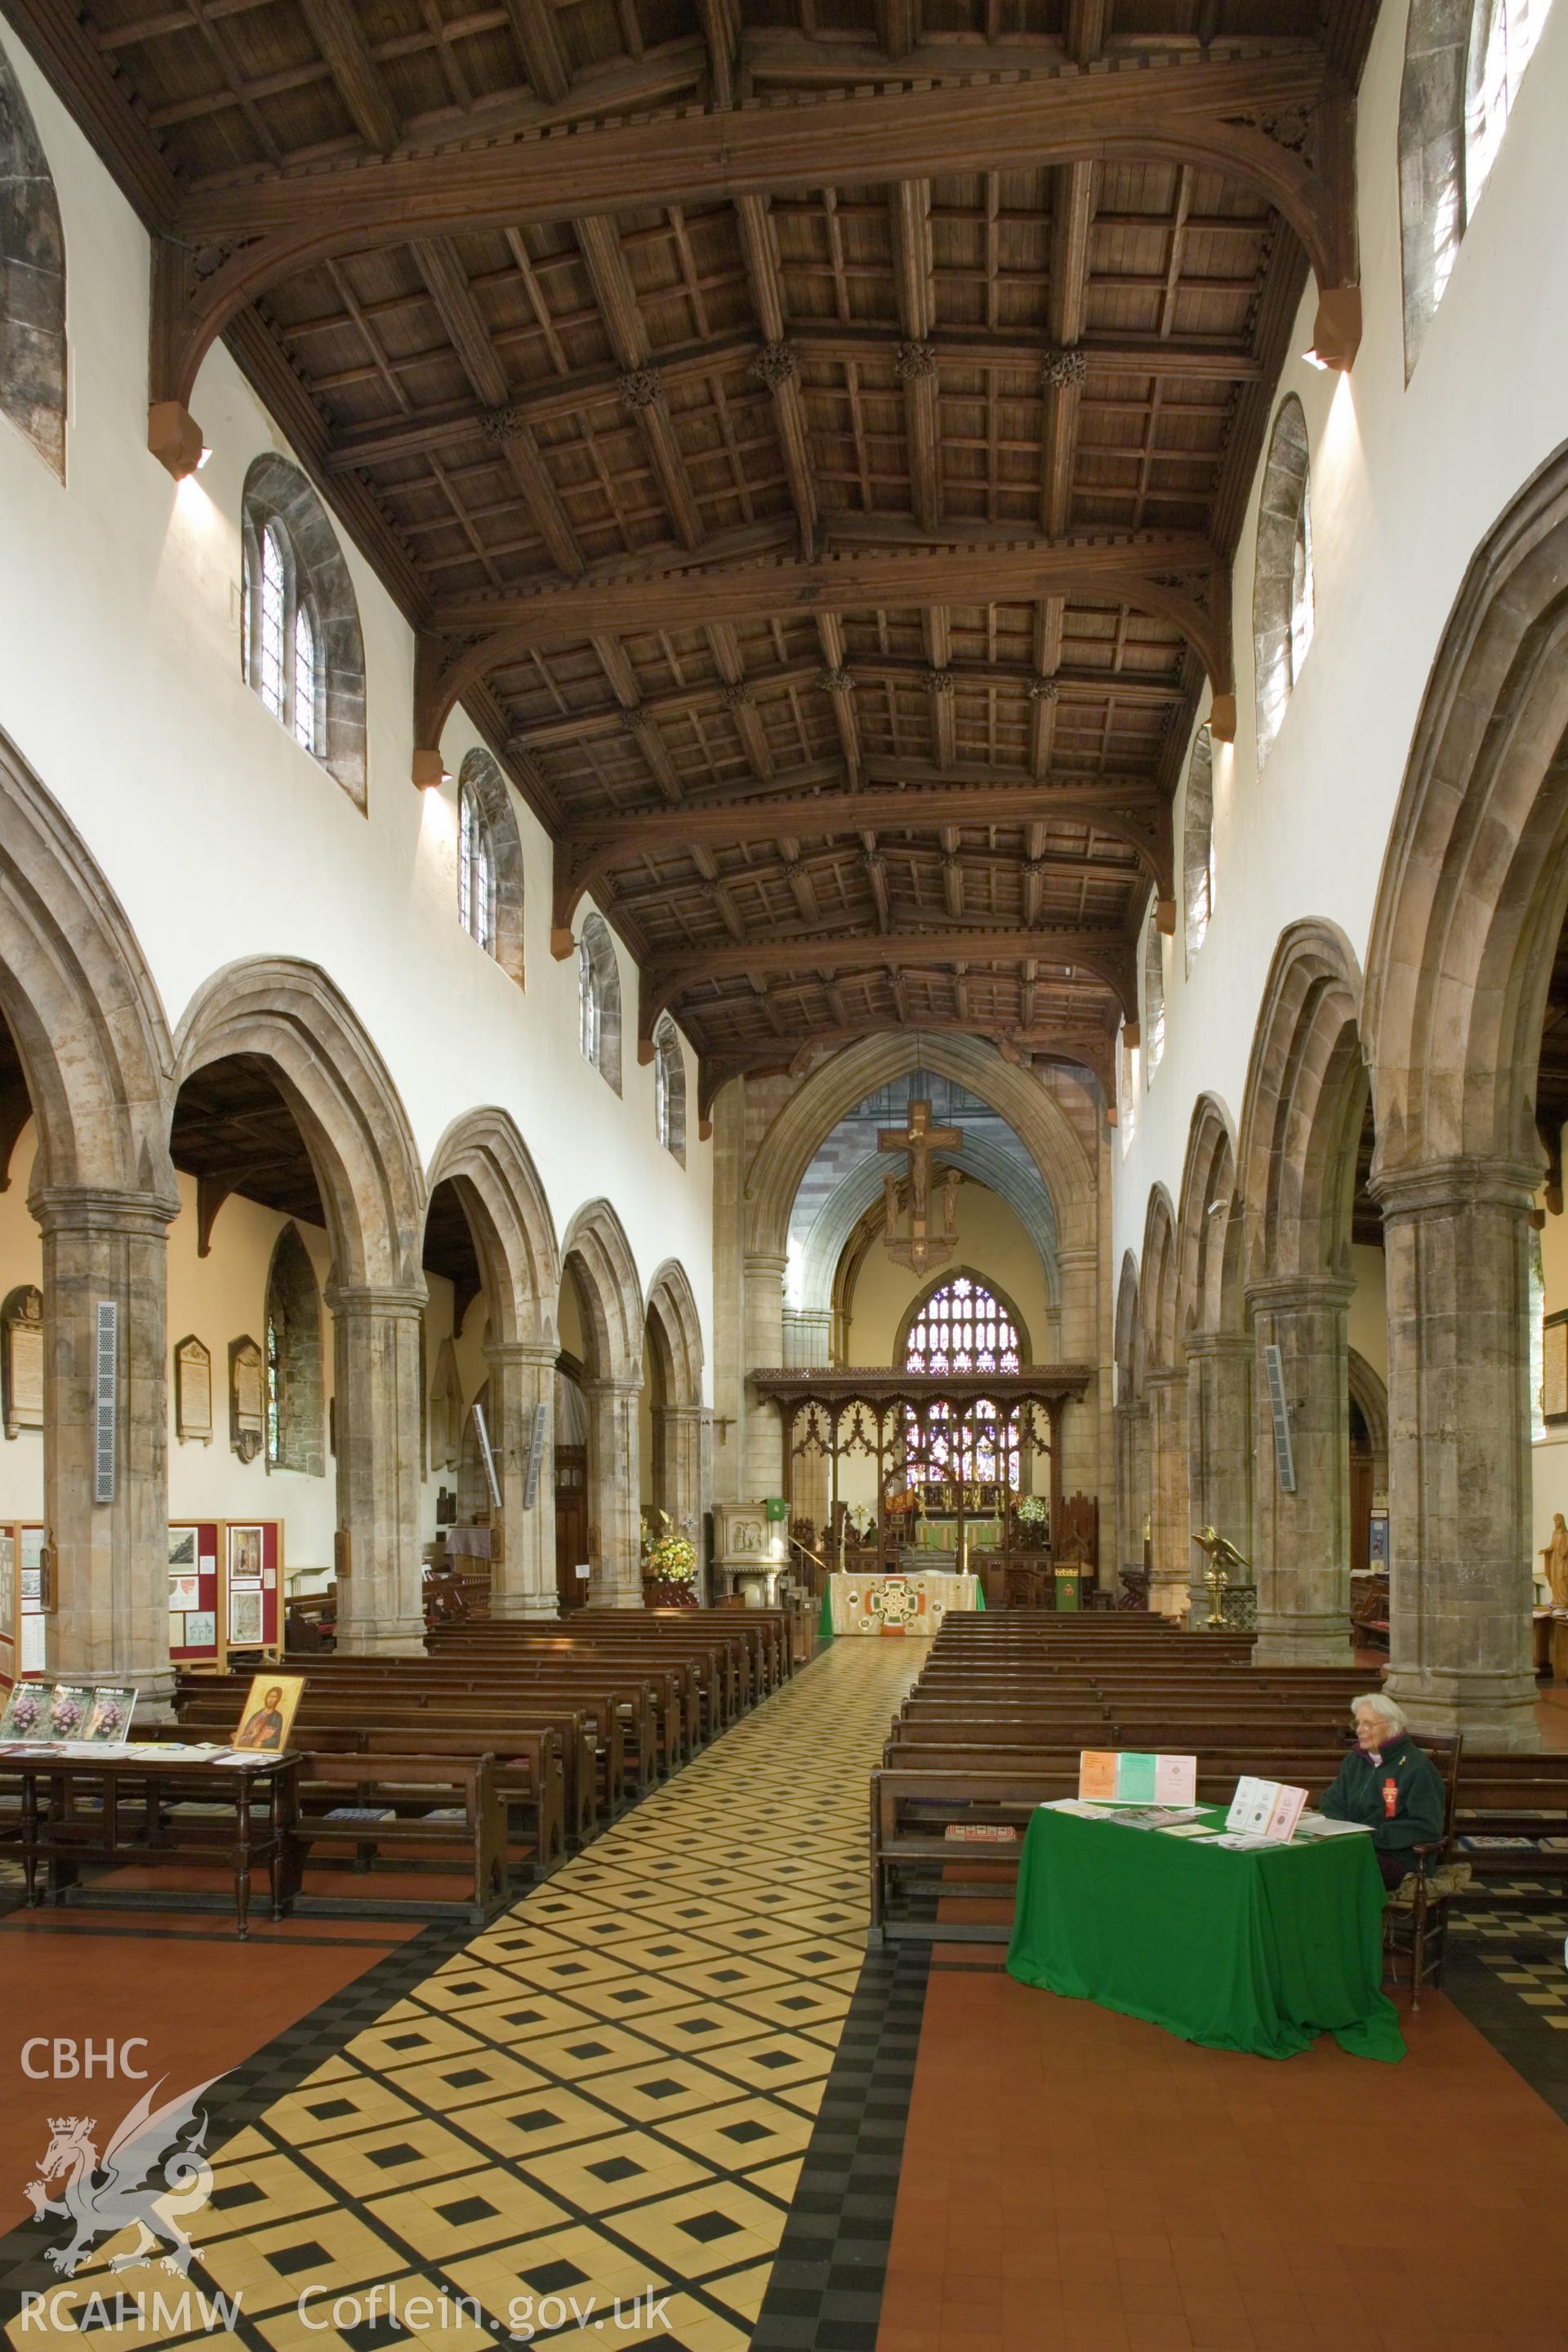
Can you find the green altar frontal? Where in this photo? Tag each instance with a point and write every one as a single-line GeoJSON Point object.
{"type": "Point", "coordinates": [1260, 1951]}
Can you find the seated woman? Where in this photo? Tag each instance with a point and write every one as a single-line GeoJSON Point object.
{"type": "Point", "coordinates": [1387, 1782]}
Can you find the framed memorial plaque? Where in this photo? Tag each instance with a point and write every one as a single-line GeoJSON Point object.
{"type": "Point", "coordinates": [247, 1401]}
{"type": "Point", "coordinates": [22, 1358]}
{"type": "Point", "coordinates": [193, 1392]}
{"type": "Point", "coordinates": [1554, 1367]}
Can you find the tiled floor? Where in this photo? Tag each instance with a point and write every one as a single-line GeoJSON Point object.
{"type": "Point", "coordinates": [609, 2093]}
{"type": "Point", "coordinates": [1078, 2181]}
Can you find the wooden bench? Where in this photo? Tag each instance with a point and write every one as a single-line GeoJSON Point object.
{"type": "Point", "coordinates": [403, 1787]}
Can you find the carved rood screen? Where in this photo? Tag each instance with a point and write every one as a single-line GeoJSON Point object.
{"type": "Point", "coordinates": [916, 1463]}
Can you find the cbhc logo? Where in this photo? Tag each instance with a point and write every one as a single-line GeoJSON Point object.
{"type": "Point", "coordinates": [67, 2060]}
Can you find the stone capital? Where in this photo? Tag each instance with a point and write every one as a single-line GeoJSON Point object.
{"type": "Point", "coordinates": [611, 1388]}
{"type": "Point", "coordinates": [1220, 1344]}
{"type": "Point", "coordinates": [96, 1209]}
{"type": "Point", "coordinates": [1162, 1377]}
{"type": "Point", "coordinates": [1444, 1187]}
{"type": "Point", "coordinates": [354, 1299]}
{"type": "Point", "coordinates": [1299, 1294]}
{"type": "Point", "coordinates": [526, 1355]}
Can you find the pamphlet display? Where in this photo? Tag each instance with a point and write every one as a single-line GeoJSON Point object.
{"type": "Point", "coordinates": [1267, 1811]}
{"type": "Point", "coordinates": [1128, 1776]}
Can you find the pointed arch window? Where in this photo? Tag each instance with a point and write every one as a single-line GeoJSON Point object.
{"type": "Point", "coordinates": [961, 1327]}
{"type": "Point", "coordinates": [1197, 844]}
{"type": "Point", "coordinates": [1154, 996]}
{"type": "Point", "coordinates": [1463, 69]}
{"type": "Point", "coordinates": [1282, 591]}
{"type": "Point", "coordinates": [302, 651]}
{"type": "Point", "coordinates": [475, 871]}
{"type": "Point", "coordinates": [669, 1089]}
{"type": "Point", "coordinates": [291, 1359]}
{"type": "Point", "coordinates": [599, 999]}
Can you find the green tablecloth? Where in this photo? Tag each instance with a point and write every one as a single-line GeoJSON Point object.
{"type": "Point", "coordinates": [1239, 1951]}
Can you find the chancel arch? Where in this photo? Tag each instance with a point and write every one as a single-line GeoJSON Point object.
{"type": "Point", "coordinates": [271, 1049]}
{"type": "Point", "coordinates": [32, 282]}
{"type": "Point", "coordinates": [596, 1262]}
{"type": "Point", "coordinates": [89, 1057]}
{"type": "Point", "coordinates": [489, 1232]}
{"type": "Point", "coordinates": [1465, 937]}
{"type": "Point", "coordinates": [1301, 1123]}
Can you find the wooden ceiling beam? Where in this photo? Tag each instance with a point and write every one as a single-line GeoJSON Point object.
{"type": "Point", "coordinates": [1177, 576]}
{"type": "Point", "coordinates": [1198, 109]}
{"type": "Point", "coordinates": [337, 33]}
{"type": "Point", "coordinates": [540, 46]}
{"type": "Point", "coordinates": [537, 403]}
{"type": "Point", "coordinates": [778, 363]}
{"type": "Point", "coordinates": [1105, 955]}
{"type": "Point", "coordinates": [641, 383]}
{"type": "Point", "coordinates": [1087, 1047]}
{"type": "Point", "coordinates": [460, 315]}
{"type": "Point", "coordinates": [892, 669]}
{"type": "Point", "coordinates": [975, 347]}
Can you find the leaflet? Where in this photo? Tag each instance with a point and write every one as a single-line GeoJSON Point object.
{"type": "Point", "coordinates": [1134, 1776]}
{"type": "Point", "coordinates": [1265, 1810]}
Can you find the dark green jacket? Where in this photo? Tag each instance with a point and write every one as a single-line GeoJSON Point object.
{"type": "Point", "coordinates": [1358, 1796]}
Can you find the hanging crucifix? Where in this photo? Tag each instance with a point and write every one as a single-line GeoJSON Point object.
{"type": "Point", "coordinates": [917, 1246]}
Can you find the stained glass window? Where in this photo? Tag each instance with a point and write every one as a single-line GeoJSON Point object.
{"type": "Point", "coordinates": [961, 1328]}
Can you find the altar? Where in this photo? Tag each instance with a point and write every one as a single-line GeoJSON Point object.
{"type": "Point", "coordinates": [912, 1604]}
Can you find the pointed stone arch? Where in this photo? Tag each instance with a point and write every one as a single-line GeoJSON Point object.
{"type": "Point", "coordinates": [293, 1020]}
{"type": "Point", "coordinates": [1165, 1390]}
{"type": "Point", "coordinates": [1471, 906]}
{"type": "Point", "coordinates": [1216, 1336]}
{"type": "Point", "coordinates": [292, 1017]}
{"type": "Point", "coordinates": [97, 1059]}
{"type": "Point", "coordinates": [596, 1256]}
{"type": "Point", "coordinates": [32, 281]}
{"type": "Point", "coordinates": [1131, 1421]}
{"type": "Point", "coordinates": [80, 1003]}
{"type": "Point", "coordinates": [681, 1475]}
{"type": "Point", "coordinates": [834, 1090]}
{"type": "Point", "coordinates": [1300, 1129]}
{"type": "Point", "coordinates": [484, 1158]}
{"type": "Point", "coordinates": [1209, 1227]}
{"type": "Point", "coordinates": [1300, 1121]}
{"type": "Point", "coordinates": [675, 1327]}
{"type": "Point", "coordinates": [1158, 1280]}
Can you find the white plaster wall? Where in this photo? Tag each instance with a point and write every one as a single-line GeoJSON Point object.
{"type": "Point", "coordinates": [121, 684]}
{"type": "Point", "coordinates": [1406, 482]}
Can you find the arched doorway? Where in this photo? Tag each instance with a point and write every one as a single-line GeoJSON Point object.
{"type": "Point", "coordinates": [677, 1467]}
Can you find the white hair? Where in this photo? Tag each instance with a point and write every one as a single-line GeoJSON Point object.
{"type": "Point", "coordinates": [1374, 1703]}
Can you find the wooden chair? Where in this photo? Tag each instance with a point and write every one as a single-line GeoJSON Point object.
{"type": "Point", "coordinates": [1416, 1919]}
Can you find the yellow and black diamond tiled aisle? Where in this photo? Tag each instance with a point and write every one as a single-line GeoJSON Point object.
{"type": "Point", "coordinates": [606, 2095]}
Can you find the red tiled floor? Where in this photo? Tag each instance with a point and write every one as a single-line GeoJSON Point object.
{"type": "Point", "coordinates": [203, 2002]}
{"type": "Point", "coordinates": [1078, 2181]}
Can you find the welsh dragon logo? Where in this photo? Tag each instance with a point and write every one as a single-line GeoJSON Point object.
{"type": "Point", "coordinates": [151, 2176]}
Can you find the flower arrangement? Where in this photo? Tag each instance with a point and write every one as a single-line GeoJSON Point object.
{"type": "Point", "coordinates": [1031, 1510]}
{"type": "Point", "coordinates": [673, 1557]}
